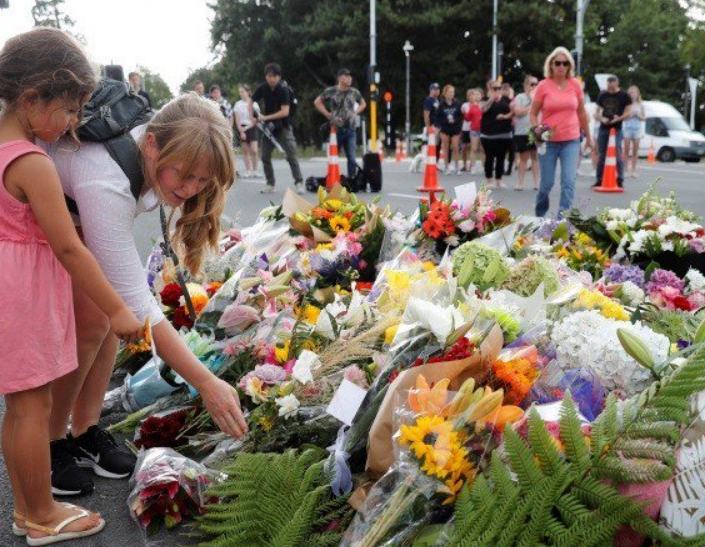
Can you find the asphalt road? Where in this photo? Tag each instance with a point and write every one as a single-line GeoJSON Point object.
{"type": "Point", "coordinates": [244, 203]}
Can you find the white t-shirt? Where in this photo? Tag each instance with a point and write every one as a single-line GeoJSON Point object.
{"type": "Point", "coordinates": [108, 210]}
{"type": "Point", "coordinates": [466, 124]}
{"type": "Point", "coordinates": [243, 112]}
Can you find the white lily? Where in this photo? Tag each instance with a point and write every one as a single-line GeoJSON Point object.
{"type": "Point", "coordinates": [288, 405]}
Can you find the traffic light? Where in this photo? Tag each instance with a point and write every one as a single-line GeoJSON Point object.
{"type": "Point", "coordinates": [388, 96]}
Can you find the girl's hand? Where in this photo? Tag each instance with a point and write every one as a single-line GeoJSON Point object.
{"type": "Point", "coordinates": [589, 144]}
{"type": "Point", "coordinates": [223, 404]}
{"type": "Point", "coordinates": [125, 325]}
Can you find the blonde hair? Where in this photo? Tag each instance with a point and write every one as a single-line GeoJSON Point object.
{"type": "Point", "coordinates": [187, 130]}
{"type": "Point", "coordinates": [446, 88]}
{"type": "Point", "coordinates": [638, 92]}
{"type": "Point", "coordinates": [548, 65]}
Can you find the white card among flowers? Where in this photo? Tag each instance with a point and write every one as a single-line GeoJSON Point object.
{"type": "Point", "coordinates": [346, 401]}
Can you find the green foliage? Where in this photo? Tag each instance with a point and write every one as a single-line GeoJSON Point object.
{"type": "Point", "coordinates": [157, 88]}
{"type": "Point", "coordinates": [555, 500]}
{"type": "Point", "coordinates": [275, 500]}
{"type": "Point", "coordinates": [50, 13]}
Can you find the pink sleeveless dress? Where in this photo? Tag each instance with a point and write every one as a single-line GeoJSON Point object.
{"type": "Point", "coordinates": [37, 329]}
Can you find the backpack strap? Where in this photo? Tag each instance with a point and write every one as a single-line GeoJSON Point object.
{"type": "Point", "coordinates": [169, 251]}
{"type": "Point", "coordinates": [125, 152]}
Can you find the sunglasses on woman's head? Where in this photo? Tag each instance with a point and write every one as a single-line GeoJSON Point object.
{"type": "Point", "coordinates": [561, 63]}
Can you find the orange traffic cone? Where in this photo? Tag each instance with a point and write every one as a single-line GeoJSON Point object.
{"type": "Point", "coordinates": [430, 176]}
{"type": "Point", "coordinates": [609, 175]}
{"type": "Point", "coordinates": [403, 150]}
{"type": "Point", "coordinates": [333, 176]}
{"type": "Point", "coordinates": [380, 149]}
{"type": "Point", "coordinates": [397, 155]}
{"type": "Point", "coordinates": [651, 158]}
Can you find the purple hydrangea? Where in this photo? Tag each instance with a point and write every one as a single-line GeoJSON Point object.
{"type": "Point", "coordinates": [616, 273]}
{"type": "Point", "coordinates": [664, 278]}
{"type": "Point", "coordinates": [549, 226]}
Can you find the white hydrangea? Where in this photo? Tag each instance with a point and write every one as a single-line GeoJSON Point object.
{"type": "Point", "coordinates": [588, 340]}
{"type": "Point", "coordinates": [632, 294]}
{"type": "Point", "coordinates": [696, 280]}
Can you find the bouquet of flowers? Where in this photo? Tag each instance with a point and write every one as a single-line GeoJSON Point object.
{"type": "Point", "coordinates": [336, 212]}
{"type": "Point", "coordinates": [168, 488]}
{"type": "Point", "coordinates": [441, 440]}
{"type": "Point", "coordinates": [449, 223]}
{"type": "Point", "coordinates": [539, 135]}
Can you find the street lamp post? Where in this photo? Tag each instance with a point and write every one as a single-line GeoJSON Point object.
{"type": "Point", "coordinates": [494, 39]}
{"type": "Point", "coordinates": [687, 91]}
{"type": "Point", "coordinates": [408, 48]}
{"type": "Point", "coordinates": [579, 21]}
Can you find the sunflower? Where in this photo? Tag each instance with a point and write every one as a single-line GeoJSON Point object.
{"type": "Point", "coordinates": [282, 353]}
{"type": "Point", "coordinates": [310, 314]}
{"type": "Point", "coordinates": [431, 437]}
{"type": "Point", "coordinates": [339, 224]}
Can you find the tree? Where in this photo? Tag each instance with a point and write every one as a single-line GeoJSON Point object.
{"type": "Point", "coordinates": [205, 74]}
{"type": "Point", "coordinates": [49, 13]}
{"type": "Point", "coordinates": [694, 54]}
{"type": "Point", "coordinates": [157, 88]}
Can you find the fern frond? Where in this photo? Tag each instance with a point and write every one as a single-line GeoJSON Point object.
{"type": "Point", "coordinates": [572, 436]}
{"type": "Point", "coordinates": [543, 445]}
{"type": "Point", "coordinates": [521, 458]}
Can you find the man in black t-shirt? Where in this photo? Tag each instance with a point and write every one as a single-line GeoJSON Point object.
{"type": "Point", "coordinates": [613, 106]}
{"type": "Point", "coordinates": [277, 101]}
{"type": "Point", "coordinates": [430, 112]}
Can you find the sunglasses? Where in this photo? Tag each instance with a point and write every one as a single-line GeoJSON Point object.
{"type": "Point", "coordinates": [561, 63]}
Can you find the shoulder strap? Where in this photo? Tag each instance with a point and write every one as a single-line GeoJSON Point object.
{"type": "Point", "coordinates": [169, 251]}
{"type": "Point", "coordinates": [125, 152]}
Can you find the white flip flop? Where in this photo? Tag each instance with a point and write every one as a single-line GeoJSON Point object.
{"type": "Point", "coordinates": [18, 530]}
{"type": "Point", "coordinates": [55, 535]}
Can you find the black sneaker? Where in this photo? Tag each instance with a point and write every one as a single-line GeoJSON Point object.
{"type": "Point", "coordinates": [67, 478]}
{"type": "Point", "coordinates": [97, 449]}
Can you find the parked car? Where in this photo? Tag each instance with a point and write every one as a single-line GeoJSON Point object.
{"type": "Point", "coordinates": [671, 135]}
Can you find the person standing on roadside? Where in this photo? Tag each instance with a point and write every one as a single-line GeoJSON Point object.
{"type": "Point", "coordinates": [136, 83]}
{"type": "Point", "coordinates": [508, 92]}
{"type": "Point", "coordinates": [200, 88]}
{"type": "Point", "coordinates": [430, 111]}
{"type": "Point", "coordinates": [613, 107]}
{"type": "Point", "coordinates": [496, 133]}
{"type": "Point", "coordinates": [633, 130]}
{"type": "Point", "coordinates": [277, 104]}
{"type": "Point", "coordinates": [344, 103]}
{"type": "Point", "coordinates": [449, 122]}
{"type": "Point", "coordinates": [560, 101]}
{"type": "Point", "coordinates": [247, 131]}
{"type": "Point", "coordinates": [526, 150]}
{"type": "Point", "coordinates": [216, 95]}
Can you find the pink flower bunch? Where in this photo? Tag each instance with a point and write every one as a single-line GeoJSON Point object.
{"type": "Point", "coordinates": [268, 374]}
{"type": "Point", "coordinates": [667, 291]}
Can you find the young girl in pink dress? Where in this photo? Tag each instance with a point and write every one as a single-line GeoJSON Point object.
{"type": "Point", "coordinates": [44, 80]}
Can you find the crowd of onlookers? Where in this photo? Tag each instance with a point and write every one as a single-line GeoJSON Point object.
{"type": "Point", "coordinates": [498, 125]}
{"type": "Point", "coordinates": [493, 125]}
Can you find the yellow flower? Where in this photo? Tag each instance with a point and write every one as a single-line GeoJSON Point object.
{"type": "Point", "coordinates": [428, 266]}
{"type": "Point", "coordinates": [563, 253]}
{"type": "Point", "coordinates": [339, 224]}
{"type": "Point", "coordinates": [266, 423]}
{"type": "Point", "coordinates": [145, 344]}
{"type": "Point", "coordinates": [282, 353]}
{"type": "Point", "coordinates": [310, 314]}
{"type": "Point", "coordinates": [324, 247]}
{"type": "Point", "coordinates": [254, 388]}
{"type": "Point", "coordinates": [333, 204]}
{"type": "Point", "coordinates": [398, 281]}
{"type": "Point", "coordinates": [612, 310]}
{"type": "Point", "coordinates": [431, 437]}
{"type": "Point", "coordinates": [390, 333]}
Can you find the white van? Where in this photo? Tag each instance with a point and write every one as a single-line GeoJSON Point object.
{"type": "Point", "coordinates": [671, 135]}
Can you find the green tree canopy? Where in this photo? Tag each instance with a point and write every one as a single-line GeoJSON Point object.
{"type": "Point", "coordinates": [157, 88]}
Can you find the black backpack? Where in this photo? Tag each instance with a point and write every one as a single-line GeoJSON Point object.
{"type": "Point", "coordinates": [112, 111]}
{"type": "Point", "coordinates": [293, 101]}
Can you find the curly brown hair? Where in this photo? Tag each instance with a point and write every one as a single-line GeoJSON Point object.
{"type": "Point", "coordinates": [46, 61]}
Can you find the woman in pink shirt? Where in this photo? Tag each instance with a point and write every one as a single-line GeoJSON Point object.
{"type": "Point", "coordinates": [559, 101]}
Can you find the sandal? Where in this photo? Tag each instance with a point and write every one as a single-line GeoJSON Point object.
{"type": "Point", "coordinates": [54, 535]}
{"type": "Point", "coordinates": [16, 529]}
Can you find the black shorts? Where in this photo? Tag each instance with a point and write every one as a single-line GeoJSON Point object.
{"type": "Point", "coordinates": [465, 137]}
{"type": "Point", "coordinates": [522, 144]}
{"type": "Point", "coordinates": [251, 135]}
{"type": "Point", "coordinates": [450, 131]}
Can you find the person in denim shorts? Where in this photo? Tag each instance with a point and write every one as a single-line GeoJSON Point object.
{"type": "Point", "coordinates": [633, 131]}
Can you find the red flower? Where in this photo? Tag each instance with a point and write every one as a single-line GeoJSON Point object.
{"type": "Point", "coordinates": [181, 318]}
{"type": "Point", "coordinates": [682, 303]}
{"type": "Point", "coordinates": [170, 295]}
{"type": "Point", "coordinates": [432, 229]}
{"type": "Point", "coordinates": [349, 215]}
{"type": "Point", "coordinates": [393, 376]}
{"type": "Point", "coordinates": [363, 285]}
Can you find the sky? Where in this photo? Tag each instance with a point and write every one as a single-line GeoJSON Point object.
{"type": "Point", "coordinates": [169, 37]}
